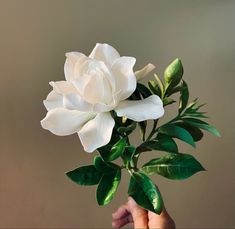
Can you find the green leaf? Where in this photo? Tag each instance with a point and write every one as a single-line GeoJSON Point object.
{"type": "Point", "coordinates": [115, 151]}
{"type": "Point", "coordinates": [191, 105]}
{"type": "Point", "coordinates": [173, 74]}
{"type": "Point", "coordinates": [173, 166]}
{"type": "Point", "coordinates": [195, 114]}
{"type": "Point", "coordinates": [177, 132]}
{"type": "Point", "coordinates": [129, 152]}
{"type": "Point", "coordinates": [154, 88]}
{"type": "Point", "coordinates": [104, 150]}
{"type": "Point", "coordinates": [160, 84]}
{"type": "Point", "coordinates": [196, 133]}
{"type": "Point", "coordinates": [175, 89]}
{"type": "Point", "coordinates": [202, 125]}
{"type": "Point", "coordinates": [107, 187]}
{"type": "Point", "coordinates": [167, 143]}
{"type": "Point", "coordinates": [85, 175]}
{"type": "Point", "coordinates": [137, 193]}
{"type": "Point", "coordinates": [102, 166]}
{"type": "Point", "coordinates": [145, 193]}
{"type": "Point", "coordinates": [144, 91]}
{"type": "Point", "coordinates": [135, 95]}
{"type": "Point", "coordinates": [168, 101]}
{"type": "Point", "coordinates": [184, 96]}
{"type": "Point", "coordinates": [162, 143]}
{"type": "Point", "coordinates": [127, 129]}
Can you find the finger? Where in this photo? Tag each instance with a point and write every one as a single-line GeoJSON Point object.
{"type": "Point", "coordinates": [139, 215]}
{"type": "Point", "coordinates": [118, 223]}
{"type": "Point", "coordinates": [121, 212]}
{"type": "Point", "coordinates": [163, 220]}
{"type": "Point", "coordinates": [152, 215]}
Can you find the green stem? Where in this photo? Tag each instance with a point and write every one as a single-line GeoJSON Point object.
{"type": "Point", "coordinates": [153, 130]}
{"type": "Point", "coordinates": [127, 139]}
{"type": "Point", "coordinates": [178, 117]}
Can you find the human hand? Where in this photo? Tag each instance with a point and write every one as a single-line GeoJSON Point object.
{"type": "Point", "coordinates": [132, 213]}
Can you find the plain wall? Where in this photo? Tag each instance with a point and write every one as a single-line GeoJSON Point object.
{"type": "Point", "coordinates": [34, 36]}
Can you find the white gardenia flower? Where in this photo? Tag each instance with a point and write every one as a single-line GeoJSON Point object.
{"type": "Point", "coordinates": [94, 86]}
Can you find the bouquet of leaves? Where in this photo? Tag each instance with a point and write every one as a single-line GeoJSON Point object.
{"type": "Point", "coordinates": [103, 101]}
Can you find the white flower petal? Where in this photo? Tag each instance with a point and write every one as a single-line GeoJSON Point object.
{"type": "Point", "coordinates": [62, 122]}
{"type": "Point", "coordinates": [140, 110]}
{"type": "Point", "coordinates": [105, 53]}
{"type": "Point", "coordinates": [144, 71]}
{"type": "Point", "coordinates": [71, 60]}
{"type": "Point", "coordinates": [101, 107]}
{"type": "Point", "coordinates": [97, 132]}
{"type": "Point", "coordinates": [63, 87]}
{"type": "Point", "coordinates": [93, 70]}
{"type": "Point", "coordinates": [98, 89]}
{"type": "Point", "coordinates": [74, 101]}
{"type": "Point", "coordinates": [53, 100]}
{"type": "Point", "coordinates": [125, 79]}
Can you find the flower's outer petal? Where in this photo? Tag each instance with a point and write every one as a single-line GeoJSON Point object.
{"type": "Point", "coordinates": [53, 100]}
{"type": "Point", "coordinates": [105, 53]}
{"type": "Point", "coordinates": [63, 87]}
{"type": "Point", "coordinates": [140, 110]}
{"type": "Point", "coordinates": [71, 60]}
{"type": "Point", "coordinates": [62, 122]}
{"type": "Point", "coordinates": [74, 101]}
{"type": "Point", "coordinates": [102, 107]}
{"type": "Point", "coordinates": [97, 132]}
{"type": "Point", "coordinates": [125, 78]}
{"type": "Point", "coordinates": [140, 74]}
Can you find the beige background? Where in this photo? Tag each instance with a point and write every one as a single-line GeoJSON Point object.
{"type": "Point", "coordinates": [34, 35]}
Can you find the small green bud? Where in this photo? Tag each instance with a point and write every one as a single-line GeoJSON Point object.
{"type": "Point", "coordinates": [173, 74]}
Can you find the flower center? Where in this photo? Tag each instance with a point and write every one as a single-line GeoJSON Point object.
{"type": "Point", "coordinates": [98, 88]}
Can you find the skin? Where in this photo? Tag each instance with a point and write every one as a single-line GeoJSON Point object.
{"type": "Point", "coordinates": [132, 213]}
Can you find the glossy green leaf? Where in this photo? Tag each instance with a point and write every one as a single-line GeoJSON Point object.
{"type": "Point", "coordinates": [117, 150]}
{"type": "Point", "coordinates": [173, 74]}
{"type": "Point", "coordinates": [85, 175]}
{"type": "Point", "coordinates": [145, 193]}
{"type": "Point", "coordinates": [127, 129]}
{"type": "Point", "coordinates": [137, 193]}
{"type": "Point", "coordinates": [177, 132]}
{"type": "Point", "coordinates": [195, 115]}
{"type": "Point", "coordinates": [129, 152]}
{"type": "Point", "coordinates": [105, 150]}
{"type": "Point", "coordinates": [195, 132]}
{"type": "Point", "coordinates": [202, 125]}
{"type": "Point", "coordinates": [167, 143]}
{"type": "Point", "coordinates": [154, 88]}
{"type": "Point", "coordinates": [160, 84]}
{"type": "Point", "coordinates": [184, 96]}
{"type": "Point", "coordinates": [144, 91]}
{"type": "Point", "coordinates": [173, 166]}
{"type": "Point", "coordinates": [162, 143]}
{"type": "Point", "coordinates": [135, 95]}
{"type": "Point", "coordinates": [175, 90]}
{"type": "Point", "coordinates": [107, 187]}
{"type": "Point", "coordinates": [168, 101]}
{"type": "Point", "coordinates": [191, 106]}
{"type": "Point", "coordinates": [113, 152]}
{"type": "Point", "coordinates": [102, 166]}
